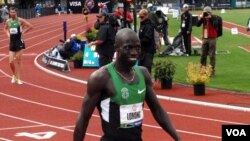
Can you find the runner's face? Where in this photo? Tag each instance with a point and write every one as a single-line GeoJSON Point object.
{"type": "Point", "coordinates": [129, 51]}
{"type": "Point", "coordinates": [12, 13]}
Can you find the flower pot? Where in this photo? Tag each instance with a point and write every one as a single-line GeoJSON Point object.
{"type": "Point", "coordinates": [166, 83]}
{"type": "Point", "coordinates": [199, 89]}
{"type": "Point", "coordinates": [77, 63]}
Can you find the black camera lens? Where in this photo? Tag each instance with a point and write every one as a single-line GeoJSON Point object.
{"type": "Point", "coordinates": [205, 14]}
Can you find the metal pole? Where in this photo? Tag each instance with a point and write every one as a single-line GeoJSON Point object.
{"type": "Point", "coordinates": [65, 30]}
{"type": "Point", "coordinates": [134, 16]}
{"type": "Point", "coordinates": [125, 14]}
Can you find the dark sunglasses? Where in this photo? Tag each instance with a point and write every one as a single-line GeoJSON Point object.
{"type": "Point", "coordinates": [141, 17]}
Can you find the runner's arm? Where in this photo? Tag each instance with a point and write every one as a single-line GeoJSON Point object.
{"type": "Point", "coordinates": [159, 114]}
{"type": "Point", "coordinates": [27, 26]}
{"type": "Point", "coordinates": [94, 90]}
{"type": "Point", "coordinates": [5, 29]}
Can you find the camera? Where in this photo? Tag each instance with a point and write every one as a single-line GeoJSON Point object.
{"type": "Point", "coordinates": [205, 14]}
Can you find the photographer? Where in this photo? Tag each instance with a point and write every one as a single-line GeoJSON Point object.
{"type": "Point", "coordinates": [160, 22]}
{"type": "Point", "coordinates": [186, 28]}
{"type": "Point", "coordinates": [120, 14]}
{"type": "Point", "coordinates": [209, 35]}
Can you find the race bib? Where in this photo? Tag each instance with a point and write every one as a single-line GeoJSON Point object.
{"type": "Point", "coordinates": [183, 24]}
{"type": "Point", "coordinates": [13, 30]}
{"type": "Point", "coordinates": [131, 114]}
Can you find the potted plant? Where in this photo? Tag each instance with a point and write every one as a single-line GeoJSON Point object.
{"type": "Point", "coordinates": [77, 58]}
{"type": "Point", "coordinates": [198, 75]}
{"type": "Point", "coordinates": [164, 71]}
{"type": "Point", "coordinates": [91, 34]}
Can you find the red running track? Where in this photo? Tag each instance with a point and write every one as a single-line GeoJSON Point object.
{"type": "Point", "coordinates": [46, 106]}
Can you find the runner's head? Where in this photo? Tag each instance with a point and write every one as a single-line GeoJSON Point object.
{"type": "Point", "coordinates": [12, 12]}
{"type": "Point", "coordinates": [128, 47]}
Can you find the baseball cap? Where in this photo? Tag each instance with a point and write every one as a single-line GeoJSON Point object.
{"type": "Point", "coordinates": [120, 5]}
{"type": "Point", "coordinates": [149, 5]}
{"type": "Point", "coordinates": [73, 35]}
{"type": "Point", "coordinates": [207, 9]}
{"type": "Point", "coordinates": [185, 6]}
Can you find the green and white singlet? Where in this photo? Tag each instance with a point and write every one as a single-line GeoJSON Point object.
{"type": "Point", "coordinates": [122, 114]}
{"type": "Point", "coordinates": [15, 31]}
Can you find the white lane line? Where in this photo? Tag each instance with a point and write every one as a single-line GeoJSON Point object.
{"type": "Point", "coordinates": [54, 73]}
{"type": "Point", "coordinates": [44, 124]}
{"type": "Point", "coordinates": [44, 33]}
{"type": "Point", "coordinates": [77, 112]}
{"type": "Point", "coordinates": [148, 125]}
{"type": "Point", "coordinates": [4, 139]}
{"type": "Point", "coordinates": [44, 41]}
{"type": "Point", "coordinates": [38, 103]}
{"type": "Point", "coordinates": [243, 34]}
{"type": "Point", "coordinates": [20, 127]}
{"type": "Point", "coordinates": [158, 127]}
{"type": "Point", "coordinates": [45, 88]}
{"type": "Point", "coordinates": [45, 29]}
{"type": "Point", "coordinates": [208, 104]}
{"type": "Point", "coordinates": [25, 54]}
{"type": "Point", "coordinates": [244, 48]}
{"type": "Point", "coordinates": [187, 132]}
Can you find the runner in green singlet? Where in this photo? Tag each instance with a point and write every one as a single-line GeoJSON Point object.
{"type": "Point", "coordinates": [118, 90]}
{"type": "Point", "coordinates": [14, 29]}
{"type": "Point", "coordinates": [85, 12]}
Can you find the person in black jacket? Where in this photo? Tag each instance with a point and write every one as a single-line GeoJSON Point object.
{"type": "Point", "coordinates": [209, 37]}
{"type": "Point", "coordinates": [160, 22]}
{"type": "Point", "coordinates": [248, 24]}
{"type": "Point", "coordinates": [104, 40]}
{"type": "Point", "coordinates": [186, 28]}
{"type": "Point", "coordinates": [146, 35]}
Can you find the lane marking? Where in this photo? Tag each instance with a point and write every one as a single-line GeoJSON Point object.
{"type": "Point", "coordinates": [38, 135]}
{"type": "Point", "coordinates": [25, 54]}
{"type": "Point", "coordinates": [194, 102]}
{"type": "Point", "coordinates": [39, 29]}
{"type": "Point", "coordinates": [208, 104]}
{"type": "Point", "coordinates": [50, 32]}
{"type": "Point", "coordinates": [4, 139]}
{"type": "Point", "coordinates": [44, 88]}
{"type": "Point", "coordinates": [247, 50]}
{"type": "Point", "coordinates": [20, 127]}
{"type": "Point", "coordinates": [38, 103]}
{"type": "Point", "coordinates": [44, 124]}
{"type": "Point", "coordinates": [187, 132]}
{"type": "Point", "coordinates": [94, 115]}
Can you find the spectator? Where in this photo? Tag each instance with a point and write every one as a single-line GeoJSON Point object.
{"type": "Point", "coordinates": [90, 4]}
{"type": "Point", "coordinates": [147, 38]}
{"type": "Point", "coordinates": [186, 28]}
{"type": "Point", "coordinates": [38, 10]}
{"type": "Point", "coordinates": [248, 25]}
{"type": "Point", "coordinates": [120, 14]}
{"type": "Point", "coordinates": [59, 9]}
{"type": "Point", "coordinates": [72, 46]}
{"type": "Point", "coordinates": [209, 35]}
{"type": "Point", "coordinates": [5, 13]}
{"type": "Point", "coordinates": [119, 90]}
{"type": "Point", "coordinates": [104, 40]}
{"type": "Point", "coordinates": [103, 8]}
